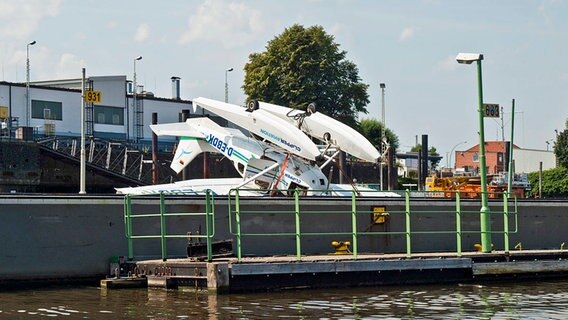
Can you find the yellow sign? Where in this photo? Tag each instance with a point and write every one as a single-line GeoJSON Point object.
{"type": "Point", "coordinates": [3, 112]}
{"type": "Point", "coordinates": [380, 215]}
{"type": "Point", "coordinates": [93, 96]}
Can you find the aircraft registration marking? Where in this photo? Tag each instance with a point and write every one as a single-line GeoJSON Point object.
{"type": "Point", "coordinates": [220, 145]}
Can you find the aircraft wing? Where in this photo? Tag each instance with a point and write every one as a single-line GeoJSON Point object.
{"type": "Point", "coordinates": [318, 125]}
{"type": "Point", "coordinates": [221, 186]}
{"type": "Point", "coordinates": [265, 125]}
{"type": "Point", "coordinates": [177, 129]}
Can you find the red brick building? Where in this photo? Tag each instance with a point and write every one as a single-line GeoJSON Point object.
{"type": "Point", "coordinates": [495, 157]}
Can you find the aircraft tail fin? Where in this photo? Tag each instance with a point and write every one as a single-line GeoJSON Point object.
{"type": "Point", "coordinates": [188, 148]}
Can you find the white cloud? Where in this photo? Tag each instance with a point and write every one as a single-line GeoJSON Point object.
{"type": "Point", "coordinates": [141, 33]}
{"type": "Point", "coordinates": [69, 66]}
{"type": "Point", "coordinates": [407, 34]}
{"type": "Point", "coordinates": [448, 64]}
{"type": "Point", "coordinates": [112, 24]}
{"type": "Point", "coordinates": [227, 22]}
{"type": "Point", "coordinates": [21, 18]}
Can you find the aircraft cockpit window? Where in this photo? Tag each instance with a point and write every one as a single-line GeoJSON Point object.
{"type": "Point", "coordinates": [241, 168]}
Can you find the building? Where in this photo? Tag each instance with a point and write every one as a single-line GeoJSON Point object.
{"type": "Point", "coordinates": [497, 159]}
{"type": "Point", "coordinates": [39, 145]}
{"type": "Point", "coordinates": [54, 108]}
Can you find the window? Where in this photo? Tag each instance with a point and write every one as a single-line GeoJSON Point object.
{"type": "Point", "coordinates": [475, 157]}
{"type": "Point", "coordinates": [109, 115]}
{"type": "Point", "coordinates": [47, 110]}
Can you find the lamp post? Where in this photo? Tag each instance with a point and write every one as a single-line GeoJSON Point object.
{"type": "Point", "coordinates": [28, 107]}
{"type": "Point", "coordinates": [383, 129]}
{"type": "Point", "coordinates": [452, 152]}
{"type": "Point", "coordinates": [484, 212]}
{"type": "Point", "coordinates": [134, 91]}
{"type": "Point", "coordinates": [82, 163]}
{"type": "Point", "coordinates": [227, 85]}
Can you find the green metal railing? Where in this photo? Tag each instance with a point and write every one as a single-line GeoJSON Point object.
{"type": "Point", "coordinates": [129, 217]}
{"type": "Point", "coordinates": [235, 210]}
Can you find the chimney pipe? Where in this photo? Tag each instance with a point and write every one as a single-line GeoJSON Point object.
{"type": "Point", "coordinates": [176, 88]}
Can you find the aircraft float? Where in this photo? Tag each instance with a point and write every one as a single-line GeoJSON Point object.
{"type": "Point", "coordinates": [278, 157]}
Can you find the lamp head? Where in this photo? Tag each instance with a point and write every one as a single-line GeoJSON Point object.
{"type": "Point", "coordinates": [138, 58]}
{"type": "Point", "coordinates": [31, 43]}
{"type": "Point", "coordinates": [468, 58]}
{"type": "Point", "coordinates": [230, 69]}
{"type": "Point", "coordinates": [382, 85]}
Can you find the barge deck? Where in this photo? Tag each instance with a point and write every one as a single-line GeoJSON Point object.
{"type": "Point", "coordinates": [229, 275]}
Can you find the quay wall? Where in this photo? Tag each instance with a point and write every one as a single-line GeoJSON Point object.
{"type": "Point", "coordinates": [72, 237]}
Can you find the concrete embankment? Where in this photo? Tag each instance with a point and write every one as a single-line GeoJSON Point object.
{"type": "Point", "coordinates": [74, 237]}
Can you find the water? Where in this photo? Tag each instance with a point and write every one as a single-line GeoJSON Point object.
{"type": "Point", "coordinates": [526, 300]}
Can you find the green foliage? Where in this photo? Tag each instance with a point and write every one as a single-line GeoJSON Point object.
{"type": "Point", "coordinates": [561, 148]}
{"type": "Point", "coordinates": [433, 151]}
{"type": "Point", "coordinates": [304, 65]}
{"type": "Point", "coordinates": [372, 130]}
{"type": "Point", "coordinates": [554, 183]}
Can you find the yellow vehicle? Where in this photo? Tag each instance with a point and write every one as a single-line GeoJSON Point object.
{"type": "Point", "coordinates": [469, 187]}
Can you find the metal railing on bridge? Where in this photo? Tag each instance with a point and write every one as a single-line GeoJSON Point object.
{"type": "Point", "coordinates": [119, 157]}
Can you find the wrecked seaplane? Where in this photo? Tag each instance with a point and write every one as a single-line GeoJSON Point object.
{"type": "Point", "coordinates": [278, 158]}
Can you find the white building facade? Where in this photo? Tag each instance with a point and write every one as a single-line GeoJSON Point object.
{"type": "Point", "coordinates": [55, 108]}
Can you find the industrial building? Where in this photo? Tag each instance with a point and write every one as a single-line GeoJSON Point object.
{"type": "Point", "coordinates": [53, 108]}
{"type": "Point", "coordinates": [40, 136]}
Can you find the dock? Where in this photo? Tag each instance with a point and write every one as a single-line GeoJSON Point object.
{"type": "Point", "coordinates": [228, 275]}
{"type": "Point", "coordinates": [342, 243]}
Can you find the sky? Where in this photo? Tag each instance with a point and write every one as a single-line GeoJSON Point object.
{"type": "Point", "coordinates": [410, 46]}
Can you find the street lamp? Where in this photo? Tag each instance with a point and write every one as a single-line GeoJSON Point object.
{"type": "Point", "coordinates": [484, 212]}
{"type": "Point", "coordinates": [548, 143]}
{"type": "Point", "coordinates": [452, 152]}
{"type": "Point", "coordinates": [28, 107]}
{"type": "Point", "coordinates": [227, 85]}
{"type": "Point", "coordinates": [134, 90]}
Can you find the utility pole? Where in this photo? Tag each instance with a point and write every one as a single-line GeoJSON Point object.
{"type": "Point", "coordinates": [83, 165]}
{"type": "Point", "coordinates": [383, 131]}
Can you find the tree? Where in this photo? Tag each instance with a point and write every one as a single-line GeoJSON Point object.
{"type": "Point", "coordinates": [561, 147]}
{"type": "Point", "coordinates": [304, 65]}
{"type": "Point", "coordinates": [373, 129]}
{"type": "Point", "coordinates": [432, 152]}
{"type": "Point", "coordinates": [554, 183]}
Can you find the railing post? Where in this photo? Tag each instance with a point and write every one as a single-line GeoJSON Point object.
{"type": "Point", "coordinates": [238, 224]}
{"type": "Point", "coordinates": [298, 229]}
{"type": "Point", "coordinates": [128, 224]}
{"type": "Point", "coordinates": [407, 203]}
{"type": "Point", "coordinates": [458, 225]}
{"type": "Point", "coordinates": [354, 222]}
{"type": "Point", "coordinates": [163, 226]}
{"type": "Point", "coordinates": [208, 224]}
{"type": "Point", "coordinates": [506, 221]}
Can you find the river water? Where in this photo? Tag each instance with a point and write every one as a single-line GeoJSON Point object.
{"type": "Point", "coordinates": [525, 300]}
